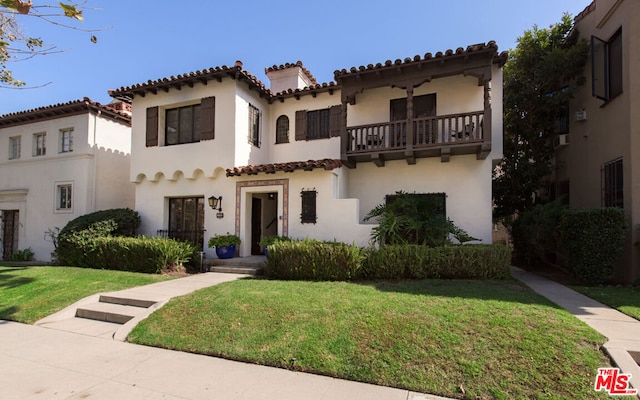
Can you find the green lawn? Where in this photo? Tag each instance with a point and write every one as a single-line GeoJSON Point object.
{"type": "Point", "coordinates": [28, 294]}
{"type": "Point", "coordinates": [624, 299]}
{"type": "Point", "coordinates": [461, 339]}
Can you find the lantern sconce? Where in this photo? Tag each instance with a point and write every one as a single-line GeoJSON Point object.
{"type": "Point", "coordinates": [215, 203]}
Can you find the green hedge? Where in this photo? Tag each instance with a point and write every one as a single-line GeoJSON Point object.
{"type": "Point", "coordinates": [310, 259]}
{"type": "Point", "coordinates": [448, 262]}
{"type": "Point", "coordinates": [140, 254]}
{"type": "Point", "coordinates": [314, 260]}
{"type": "Point", "coordinates": [593, 238]}
{"type": "Point", "coordinates": [126, 221]}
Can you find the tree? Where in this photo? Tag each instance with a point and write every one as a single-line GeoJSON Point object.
{"type": "Point", "coordinates": [16, 46]}
{"type": "Point", "coordinates": [540, 78]}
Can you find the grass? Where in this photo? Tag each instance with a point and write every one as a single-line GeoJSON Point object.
{"type": "Point", "coordinates": [461, 339]}
{"type": "Point", "coordinates": [624, 299]}
{"type": "Point", "coordinates": [28, 294]}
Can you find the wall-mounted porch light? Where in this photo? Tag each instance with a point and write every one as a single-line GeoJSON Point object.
{"type": "Point", "coordinates": [215, 202]}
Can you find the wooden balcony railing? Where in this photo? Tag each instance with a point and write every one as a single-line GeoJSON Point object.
{"type": "Point", "coordinates": [444, 130]}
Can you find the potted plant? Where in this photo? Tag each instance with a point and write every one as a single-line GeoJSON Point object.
{"type": "Point", "coordinates": [266, 241]}
{"type": "Point", "coordinates": [225, 245]}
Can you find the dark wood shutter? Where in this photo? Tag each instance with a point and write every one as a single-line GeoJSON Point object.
{"type": "Point", "coordinates": [152, 126]}
{"type": "Point", "coordinates": [207, 118]}
{"type": "Point", "coordinates": [301, 125]}
{"type": "Point", "coordinates": [336, 120]}
{"type": "Point", "coordinates": [308, 215]}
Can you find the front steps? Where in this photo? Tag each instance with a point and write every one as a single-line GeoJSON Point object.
{"type": "Point", "coordinates": [253, 265]}
{"type": "Point", "coordinates": [118, 310]}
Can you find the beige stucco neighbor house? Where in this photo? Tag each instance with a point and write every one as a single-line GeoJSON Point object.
{"type": "Point", "coordinates": [57, 163]}
{"type": "Point", "coordinates": [304, 159]}
{"type": "Point", "coordinates": [598, 157]}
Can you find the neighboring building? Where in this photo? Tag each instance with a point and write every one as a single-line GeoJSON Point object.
{"type": "Point", "coordinates": [598, 157]}
{"type": "Point", "coordinates": [57, 163]}
{"type": "Point", "coordinates": [304, 159]}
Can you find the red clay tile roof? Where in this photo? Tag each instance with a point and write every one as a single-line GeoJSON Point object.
{"type": "Point", "coordinates": [236, 72]}
{"type": "Point", "coordinates": [475, 48]}
{"type": "Point", "coordinates": [288, 65]}
{"type": "Point", "coordinates": [586, 11]}
{"type": "Point", "coordinates": [74, 107]}
{"type": "Point", "coordinates": [327, 164]}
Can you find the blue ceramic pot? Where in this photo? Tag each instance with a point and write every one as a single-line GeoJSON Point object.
{"type": "Point", "coordinates": [224, 252]}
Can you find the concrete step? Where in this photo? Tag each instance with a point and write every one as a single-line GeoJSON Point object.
{"type": "Point", "coordinates": [109, 312]}
{"type": "Point", "coordinates": [126, 301]}
{"type": "Point", "coordinates": [236, 269]}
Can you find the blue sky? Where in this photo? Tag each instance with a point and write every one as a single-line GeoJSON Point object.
{"type": "Point", "coordinates": [155, 39]}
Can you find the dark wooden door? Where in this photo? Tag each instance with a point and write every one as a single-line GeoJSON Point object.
{"type": "Point", "coordinates": [10, 225]}
{"type": "Point", "coordinates": [256, 226]}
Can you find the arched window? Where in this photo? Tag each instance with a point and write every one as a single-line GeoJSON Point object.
{"type": "Point", "coordinates": [282, 129]}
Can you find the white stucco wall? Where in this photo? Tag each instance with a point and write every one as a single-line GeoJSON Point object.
{"type": "Point", "coordinates": [465, 180]}
{"type": "Point", "coordinates": [28, 184]}
{"type": "Point", "coordinates": [153, 163]}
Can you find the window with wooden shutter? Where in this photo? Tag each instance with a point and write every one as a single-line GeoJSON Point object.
{"type": "Point", "coordinates": [308, 215]}
{"type": "Point", "coordinates": [152, 127]}
{"type": "Point", "coordinates": [207, 118]}
{"type": "Point", "coordinates": [318, 124]}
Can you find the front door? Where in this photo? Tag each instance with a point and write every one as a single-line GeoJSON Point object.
{"type": "Point", "coordinates": [10, 223]}
{"type": "Point", "coordinates": [256, 225]}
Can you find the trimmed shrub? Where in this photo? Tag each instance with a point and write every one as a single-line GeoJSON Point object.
{"type": "Point", "coordinates": [23, 255]}
{"type": "Point", "coordinates": [594, 238]}
{"type": "Point", "coordinates": [448, 262]}
{"type": "Point", "coordinates": [140, 254]}
{"type": "Point", "coordinates": [126, 222]}
{"type": "Point", "coordinates": [310, 259]}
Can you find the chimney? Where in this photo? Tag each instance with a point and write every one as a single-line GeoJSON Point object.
{"type": "Point", "coordinates": [289, 77]}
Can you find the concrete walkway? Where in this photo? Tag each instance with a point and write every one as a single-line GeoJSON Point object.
{"type": "Point", "coordinates": [622, 331]}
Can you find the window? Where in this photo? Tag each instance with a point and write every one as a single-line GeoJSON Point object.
{"type": "Point", "coordinates": [613, 184]}
{"type": "Point", "coordinates": [14, 147]}
{"type": "Point", "coordinates": [423, 106]}
{"type": "Point", "coordinates": [39, 144]}
{"type": "Point", "coordinates": [606, 66]}
{"type": "Point", "coordinates": [318, 124]}
{"type": "Point", "coordinates": [308, 215]}
{"type": "Point", "coordinates": [182, 125]}
{"type": "Point", "coordinates": [64, 196]}
{"type": "Point", "coordinates": [186, 220]}
{"type": "Point", "coordinates": [282, 129]}
{"type": "Point", "coordinates": [66, 140]}
{"type": "Point", "coordinates": [254, 126]}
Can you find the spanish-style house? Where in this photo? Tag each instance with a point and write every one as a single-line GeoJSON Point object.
{"type": "Point", "coordinates": [598, 151]}
{"type": "Point", "coordinates": [57, 163]}
{"type": "Point", "coordinates": [216, 151]}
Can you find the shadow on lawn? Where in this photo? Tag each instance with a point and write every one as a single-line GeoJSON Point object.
{"type": "Point", "coordinates": [10, 281]}
{"type": "Point", "coordinates": [508, 290]}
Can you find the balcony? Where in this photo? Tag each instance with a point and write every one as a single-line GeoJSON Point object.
{"type": "Point", "coordinates": [439, 136]}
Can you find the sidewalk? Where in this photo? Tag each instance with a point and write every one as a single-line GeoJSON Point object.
{"type": "Point", "coordinates": [622, 331]}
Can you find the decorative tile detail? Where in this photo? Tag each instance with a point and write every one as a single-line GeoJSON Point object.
{"type": "Point", "coordinates": [271, 182]}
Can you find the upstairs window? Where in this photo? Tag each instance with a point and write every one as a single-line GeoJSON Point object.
{"type": "Point", "coordinates": [318, 124]}
{"type": "Point", "coordinates": [14, 147]}
{"type": "Point", "coordinates": [613, 184]}
{"type": "Point", "coordinates": [39, 144]}
{"type": "Point", "coordinates": [606, 66]}
{"type": "Point", "coordinates": [182, 125]}
{"type": "Point", "coordinates": [254, 125]}
{"type": "Point", "coordinates": [282, 129]}
{"type": "Point", "coordinates": [66, 140]}
{"type": "Point", "coordinates": [185, 124]}
{"type": "Point", "coordinates": [423, 106]}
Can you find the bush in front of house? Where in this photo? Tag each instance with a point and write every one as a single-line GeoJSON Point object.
{"type": "Point", "coordinates": [133, 254]}
{"type": "Point", "coordinates": [593, 238]}
{"type": "Point", "coordinates": [476, 261]}
{"type": "Point", "coordinates": [126, 221]}
{"type": "Point", "coordinates": [311, 259]}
